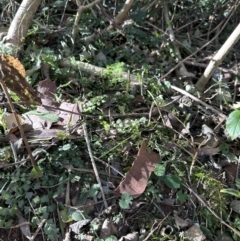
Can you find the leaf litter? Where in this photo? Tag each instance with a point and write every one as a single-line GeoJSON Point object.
{"type": "Point", "coordinates": [202, 148]}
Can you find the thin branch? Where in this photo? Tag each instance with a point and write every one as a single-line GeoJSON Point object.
{"type": "Point", "coordinates": [218, 58]}
{"type": "Point", "coordinates": [221, 115]}
{"type": "Point", "coordinates": [123, 13]}
{"type": "Point", "coordinates": [119, 19]}
{"type": "Point", "coordinates": [156, 228]}
{"type": "Point", "coordinates": [38, 229]}
{"type": "Point", "coordinates": [18, 123]}
{"type": "Point", "coordinates": [78, 16]}
{"type": "Point", "coordinates": [182, 70]}
{"type": "Point", "coordinates": [94, 164]}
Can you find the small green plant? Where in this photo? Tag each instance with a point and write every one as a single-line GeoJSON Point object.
{"type": "Point", "coordinates": [125, 201]}
{"type": "Point", "coordinates": [43, 115]}
{"type": "Point", "coordinates": [233, 124]}
{"type": "Point", "coordinates": [129, 126]}
{"type": "Point", "coordinates": [8, 50]}
{"type": "Point", "coordinates": [114, 72]}
{"type": "Point", "coordinates": [211, 187]}
{"type": "Point", "coordinates": [232, 191]}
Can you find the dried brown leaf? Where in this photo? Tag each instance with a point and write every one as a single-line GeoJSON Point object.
{"type": "Point", "coordinates": [208, 150]}
{"type": "Point", "coordinates": [13, 74]}
{"type": "Point", "coordinates": [10, 120]}
{"type": "Point", "coordinates": [25, 229]}
{"type": "Point", "coordinates": [47, 89]}
{"type": "Point", "coordinates": [130, 237]}
{"type": "Point", "coordinates": [76, 227]}
{"type": "Point", "coordinates": [67, 118]}
{"type": "Point", "coordinates": [181, 222]}
{"type": "Point", "coordinates": [137, 178]}
{"type": "Point", "coordinates": [194, 233]}
{"type": "Point", "coordinates": [108, 229]}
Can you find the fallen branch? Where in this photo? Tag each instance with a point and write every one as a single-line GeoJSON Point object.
{"type": "Point", "coordinates": [78, 65]}
{"type": "Point", "coordinates": [221, 115]}
{"type": "Point", "coordinates": [218, 58]}
{"type": "Point", "coordinates": [98, 71]}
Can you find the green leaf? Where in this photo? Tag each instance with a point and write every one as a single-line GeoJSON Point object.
{"type": "Point", "coordinates": [66, 147]}
{"type": "Point", "coordinates": [233, 124]}
{"type": "Point", "coordinates": [8, 224]}
{"type": "Point", "coordinates": [26, 187]}
{"type": "Point", "coordinates": [45, 199]}
{"type": "Point", "coordinates": [160, 170]}
{"type": "Point", "coordinates": [51, 230]}
{"type": "Point", "coordinates": [238, 183]}
{"type": "Point", "coordinates": [172, 181]}
{"type": "Point", "coordinates": [224, 148]}
{"type": "Point", "coordinates": [43, 115]}
{"type": "Point", "coordinates": [94, 190]}
{"type": "Point", "coordinates": [125, 201]}
{"type": "Point", "coordinates": [36, 200]}
{"type": "Point", "coordinates": [37, 172]}
{"type": "Point", "coordinates": [36, 186]}
{"type": "Point", "coordinates": [182, 197]}
{"type": "Point", "coordinates": [29, 195]}
{"type": "Point", "coordinates": [6, 195]}
{"type": "Point", "coordinates": [231, 191]}
{"type": "Point", "coordinates": [65, 215]}
{"type": "Point", "coordinates": [111, 238]}
{"type": "Point", "coordinates": [77, 216]}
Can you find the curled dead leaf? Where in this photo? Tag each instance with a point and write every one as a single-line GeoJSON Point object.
{"type": "Point", "coordinates": [137, 178]}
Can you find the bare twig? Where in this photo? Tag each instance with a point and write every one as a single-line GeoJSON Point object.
{"type": "Point", "coordinates": [153, 230]}
{"type": "Point", "coordinates": [199, 101]}
{"type": "Point", "coordinates": [218, 58]}
{"type": "Point", "coordinates": [18, 123]}
{"type": "Point", "coordinates": [18, 225]}
{"type": "Point", "coordinates": [112, 115]}
{"type": "Point", "coordinates": [107, 165]}
{"type": "Point", "coordinates": [183, 71]}
{"type": "Point", "coordinates": [94, 164]}
{"type": "Point", "coordinates": [39, 227]}
{"type": "Point", "coordinates": [21, 22]}
{"type": "Point", "coordinates": [79, 12]}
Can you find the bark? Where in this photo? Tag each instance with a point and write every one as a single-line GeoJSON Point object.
{"type": "Point", "coordinates": [123, 13]}
{"type": "Point", "coordinates": [21, 22]}
{"type": "Point", "coordinates": [98, 71]}
{"type": "Point", "coordinates": [218, 58]}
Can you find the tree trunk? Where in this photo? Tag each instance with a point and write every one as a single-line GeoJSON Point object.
{"type": "Point", "coordinates": [217, 59]}
{"type": "Point", "coordinates": [21, 22]}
